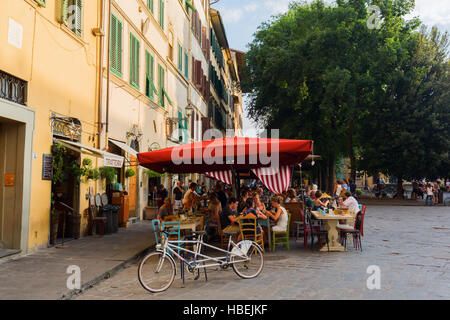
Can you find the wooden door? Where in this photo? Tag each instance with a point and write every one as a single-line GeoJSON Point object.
{"type": "Point", "coordinates": [132, 189]}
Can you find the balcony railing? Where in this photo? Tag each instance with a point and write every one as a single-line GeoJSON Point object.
{"type": "Point", "coordinates": [12, 88]}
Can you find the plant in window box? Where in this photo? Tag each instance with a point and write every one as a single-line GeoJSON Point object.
{"type": "Point", "coordinates": [130, 173]}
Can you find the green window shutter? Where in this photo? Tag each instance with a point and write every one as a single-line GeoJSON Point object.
{"type": "Point", "coordinates": [64, 11]}
{"type": "Point", "coordinates": [161, 85]}
{"type": "Point", "coordinates": [149, 76]}
{"type": "Point", "coordinates": [180, 58]}
{"type": "Point", "coordinates": [161, 13]}
{"type": "Point", "coordinates": [134, 61]}
{"type": "Point", "coordinates": [41, 2]}
{"type": "Point", "coordinates": [119, 48]}
{"type": "Point", "coordinates": [116, 46]}
{"type": "Point", "coordinates": [186, 65]}
{"type": "Point", "coordinates": [150, 5]}
{"type": "Point", "coordinates": [79, 17]}
{"type": "Point", "coordinates": [180, 122]}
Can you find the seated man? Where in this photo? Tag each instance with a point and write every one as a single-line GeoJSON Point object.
{"type": "Point", "coordinates": [228, 218]}
{"type": "Point", "coordinates": [165, 210]}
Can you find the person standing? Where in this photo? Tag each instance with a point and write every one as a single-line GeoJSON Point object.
{"type": "Point", "coordinates": [429, 191]}
{"type": "Point", "coordinates": [162, 194]}
{"type": "Point", "coordinates": [178, 193]}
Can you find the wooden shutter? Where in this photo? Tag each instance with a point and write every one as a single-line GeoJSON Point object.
{"type": "Point", "coordinates": [204, 39]}
{"type": "Point", "coordinates": [205, 125]}
{"type": "Point", "coordinates": [161, 85]}
{"type": "Point", "coordinates": [193, 126]}
{"type": "Point", "coordinates": [150, 5]}
{"type": "Point", "coordinates": [134, 61]}
{"type": "Point", "coordinates": [116, 46]}
{"type": "Point", "coordinates": [79, 17]}
{"type": "Point", "coordinates": [161, 13]}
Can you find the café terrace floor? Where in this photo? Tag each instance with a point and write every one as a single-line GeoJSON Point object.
{"type": "Point", "coordinates": [410, 245]}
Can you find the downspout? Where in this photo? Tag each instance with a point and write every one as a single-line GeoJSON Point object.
{"type": "Point", "coordinates": [108, 75]}
{"type": "Point", "coordinates": [100, 85]}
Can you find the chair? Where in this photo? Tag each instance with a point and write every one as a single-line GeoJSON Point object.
{"type": "Point", "coordinates": [157, 230]}
{"type": "Point", "coordinates": [356, 232]}
{"type": "Point", "coordinates": [247, 226]}
{"type": "Point", "coordinates": [316, 231]}
{"type": "Point", "coordinates": [173, 229]}
{"type": "Point", "coordinates": [96, 223]}
{"type": "Point", "coordinates": [306, 228]}
{"type": "Point", "coordinates": [281, 237]}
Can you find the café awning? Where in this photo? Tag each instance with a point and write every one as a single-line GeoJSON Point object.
{"type": "Point", "coordinates": [111, 160]}
{"type": "Point", "coordinates": [124, 147]}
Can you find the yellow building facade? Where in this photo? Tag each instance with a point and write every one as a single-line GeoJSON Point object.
{"type": "Point", "coordinates": [49, 48]}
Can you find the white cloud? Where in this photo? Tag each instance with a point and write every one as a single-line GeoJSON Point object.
{"type": "Point", "coordinates": [236, 14]}
{"type": "Point", "coordinates": [433, 12]}
{"type": "Point", "coordinates": [277, 7]}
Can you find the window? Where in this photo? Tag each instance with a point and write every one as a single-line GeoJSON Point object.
{"type": "Point", "coordinates": [41, 2]}
{"type": "Point", "coordinates": [186, 65]}
{"type": "Point", "coordinates": [116, 46]}
{"type": "Point", "coordinates": [134, 61]}
{"type": "Point", "coordinates": [149, 76]}
{"type": "Point", "coordinates": [180, 58]}
{"type": "Point", "coordinates": [161, 85]}
{"type": "Point", "coordinates": [71, 15]}
{"type": "Point", "coordinates": [161, 13]}
{"type": "Point", "coordinates": [150, 5]}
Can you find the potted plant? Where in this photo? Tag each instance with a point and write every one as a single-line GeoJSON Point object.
{"type": "Point", "coordinates": [54, 221]}
{"type": "Point", "coordinates": [108, 174]}
{"type": "Point", "coordinates": [130, 173]}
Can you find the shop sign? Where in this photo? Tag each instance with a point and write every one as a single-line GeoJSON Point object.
{"type": "Point", "coordinates": [66, 127]}
{"type": "Point", "coordinates": [113, 161]}
{"type": "Point", "coordinates": [10, 180]}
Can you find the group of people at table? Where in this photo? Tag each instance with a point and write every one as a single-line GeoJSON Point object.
{"type": "Point", "coordinates": [223, 209]}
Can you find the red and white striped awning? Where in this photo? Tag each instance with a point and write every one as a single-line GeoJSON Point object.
{"type": "Point", "coordinates": [276, 180]}
{"type": "Point", "coordinates": [223, 176]}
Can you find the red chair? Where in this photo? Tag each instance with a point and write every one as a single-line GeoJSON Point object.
{"type": "Point", "coordinates": [307, 229]}
{"type": "Point", "coordinates": [357, 232]}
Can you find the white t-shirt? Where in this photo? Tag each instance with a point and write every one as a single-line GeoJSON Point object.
{"type": "Point", "coordinates": [352, 204]}
{"type": "Point", "coordinates": [282, 221]}
{"type": "Point", "coordinates": [429, 191]}
{"type": "Point", "coordinates": [338, 190]}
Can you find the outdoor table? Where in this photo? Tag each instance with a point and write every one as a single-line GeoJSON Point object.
{"type": "Point", "coordinates": [330, 224]}
{"type": "Point", "coordinates": [266, 223]}
{"type": "Point", "coordinates": [190, 224]}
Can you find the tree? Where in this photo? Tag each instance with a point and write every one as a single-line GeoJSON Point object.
{"type": "Point", "coordinates": [406, 133]}
{"type": "Point", "coordinates": [310, 72]}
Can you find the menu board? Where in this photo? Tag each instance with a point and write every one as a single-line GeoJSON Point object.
{"type": "Point", "coordinates": [47, 167]}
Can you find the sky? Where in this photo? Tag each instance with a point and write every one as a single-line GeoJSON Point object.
{"type": "Point", "coordinates": [242, 18]}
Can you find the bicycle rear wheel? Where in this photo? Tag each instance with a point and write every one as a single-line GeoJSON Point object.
{"type": "Point", "coordinates": [253, 265]}
{"type": "Point", "coordinates": [156, 272]}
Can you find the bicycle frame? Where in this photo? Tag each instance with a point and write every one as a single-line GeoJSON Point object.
{"type": "Point", "coordinates": [172, 246]}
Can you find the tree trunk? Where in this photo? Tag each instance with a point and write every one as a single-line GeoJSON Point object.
{"type": "Point", "coordinates": [323, 176]}
{"type": "Point", "coordinates": [351, 151]}
{"type": "Point", "coordinates": [331, 174]}
{"type": "Point", "coordinates": [400, 188]}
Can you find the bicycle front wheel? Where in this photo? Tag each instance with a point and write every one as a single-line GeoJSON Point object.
{"type": "Point", "coordinates": [250, 263]}
{"type": "Point", "coordinates": [156, 272]}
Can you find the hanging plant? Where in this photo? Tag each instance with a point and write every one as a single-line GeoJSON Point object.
{"type": "Point", "coordinates": [130, 173]}
{"type": "Point", "coordinates": [153, 174]}
{"type": "Point", "coordinates": [75, 171]}
{"type": "Point", "coordinates": [109, 174]}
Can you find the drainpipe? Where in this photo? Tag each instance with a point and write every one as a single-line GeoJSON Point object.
{"type": "Point", "coordinates": [108, 75]}
{"type": "Point", "coordinates": [100, 85]}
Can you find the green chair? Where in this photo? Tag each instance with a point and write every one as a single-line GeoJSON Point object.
{"type": "Point", "coordinates": [282, 238]}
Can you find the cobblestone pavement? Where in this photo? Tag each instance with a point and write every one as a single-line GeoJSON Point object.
{"type": "Point", "coordinates": [42, 275]}
{"type": "Point", "coordinates": [411, 245]}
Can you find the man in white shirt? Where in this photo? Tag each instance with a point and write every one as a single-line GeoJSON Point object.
{"type": "Point", "coordinates": [350, 202]}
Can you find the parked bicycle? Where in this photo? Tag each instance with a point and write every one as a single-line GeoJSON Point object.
{"type": "Point", "coordinates": [157, 270]}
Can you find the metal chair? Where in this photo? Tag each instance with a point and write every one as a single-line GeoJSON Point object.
{"type": "Point", "coordinates": [173, 229]}
{"type": "Point", "coordinates": [316, 231]}
{"type": "Point", "coordinates": [157, 230]}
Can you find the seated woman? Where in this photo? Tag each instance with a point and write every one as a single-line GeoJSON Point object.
{"type": "Point", "coordinates": [280, 216]}
{"type": "Point", "coordinates": [258, 204]}
{"type": "Point", "coordinates": [353, 207]}
{"type": "Point", "coordinates": [318, 203]}
{"type": "Point", "coordinates": [251, 211]}
{"type": "Point", "coordinates": [165, 210]}
{"type": "Point", "coordinates": [291, 196]}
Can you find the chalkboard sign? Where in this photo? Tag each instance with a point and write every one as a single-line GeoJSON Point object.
{"type": "Point", "coordinates": [47, 167]}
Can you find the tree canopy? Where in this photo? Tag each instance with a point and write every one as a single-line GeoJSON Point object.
{"type": "Point", "coordinates": [318, 72]}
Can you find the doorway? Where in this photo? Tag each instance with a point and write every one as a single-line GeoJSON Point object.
{"type": "Point", "coordinates": [12, 139]}
{"type": "Point", "coordinates": [65, 194]}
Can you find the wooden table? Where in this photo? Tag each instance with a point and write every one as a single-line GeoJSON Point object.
{"type": "Point", "coordinates": [190, 224]}
{"type": "Point", "coordinates": [330, 224]}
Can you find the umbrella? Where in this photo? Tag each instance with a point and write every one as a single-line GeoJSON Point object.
{"type": "Point", "coordinates": [227, 154]}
